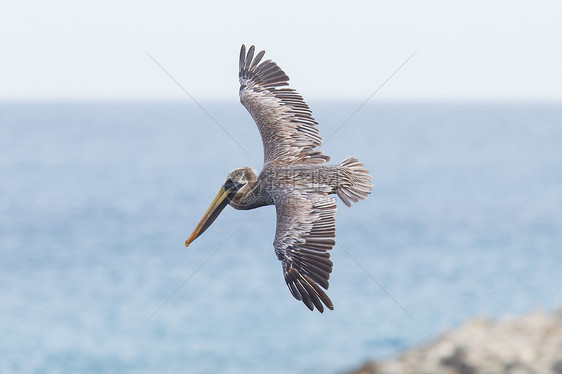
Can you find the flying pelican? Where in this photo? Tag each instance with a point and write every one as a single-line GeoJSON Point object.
{"type": "Point", "coordinates": [294, 179]}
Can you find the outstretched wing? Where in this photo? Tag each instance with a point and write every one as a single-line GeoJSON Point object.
{"type": "Point", "coordinates": [306, 229]}
{"type": "Point", "coordinates": [285, 122]}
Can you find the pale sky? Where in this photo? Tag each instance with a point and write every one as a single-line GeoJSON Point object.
{"type": "Point", "coordinates": [476, 50]}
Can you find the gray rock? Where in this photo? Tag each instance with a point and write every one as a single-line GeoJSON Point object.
{"type": "Point", "coordinates": [527, 345]}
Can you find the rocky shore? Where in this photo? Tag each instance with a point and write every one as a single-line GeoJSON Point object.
{"type": "Point", "coordinates": [525, 345]}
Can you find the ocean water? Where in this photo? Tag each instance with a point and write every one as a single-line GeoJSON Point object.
{"type": "Point", "coordinates": [97, 199]}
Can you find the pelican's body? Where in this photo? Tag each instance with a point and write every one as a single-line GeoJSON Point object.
{"type": "Point", "coordinates": [294, 179]}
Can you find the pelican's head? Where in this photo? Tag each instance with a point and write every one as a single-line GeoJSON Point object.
{"type": "Point", "coordinates": [234, 188]}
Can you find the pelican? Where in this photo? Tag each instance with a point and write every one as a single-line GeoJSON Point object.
{"type": "Point", "coordinates": [294, 178]}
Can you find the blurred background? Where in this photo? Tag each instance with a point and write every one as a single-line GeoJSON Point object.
{"type": "Point", "coordinates": [107, 164]}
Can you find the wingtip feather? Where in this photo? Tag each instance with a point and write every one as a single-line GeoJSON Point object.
{"type": "Point", "coordinates": [242, 58]}
{"type": "Point", "coordinates": [305, 289]}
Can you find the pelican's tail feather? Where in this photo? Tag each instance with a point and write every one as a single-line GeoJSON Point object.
{"type": "Point", "coordinates": [354, 183]}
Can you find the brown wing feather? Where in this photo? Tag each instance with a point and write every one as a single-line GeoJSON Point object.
{"type": "Point", "coordinates": [285, 122]}
{"type": "Point", "coordinates": [306, 229]}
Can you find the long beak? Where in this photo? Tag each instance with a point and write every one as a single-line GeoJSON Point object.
{"type": "Point", "coordinates": [211, 214]}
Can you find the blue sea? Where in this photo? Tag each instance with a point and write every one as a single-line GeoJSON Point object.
{"type": "Point", "coordinates": [97, 199]}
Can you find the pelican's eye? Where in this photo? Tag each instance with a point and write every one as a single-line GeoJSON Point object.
{"type": "Point", "coordinates": [232, 185]}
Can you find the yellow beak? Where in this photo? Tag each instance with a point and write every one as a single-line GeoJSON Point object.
{"type": "Point", "coordinates": [210, 215]}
